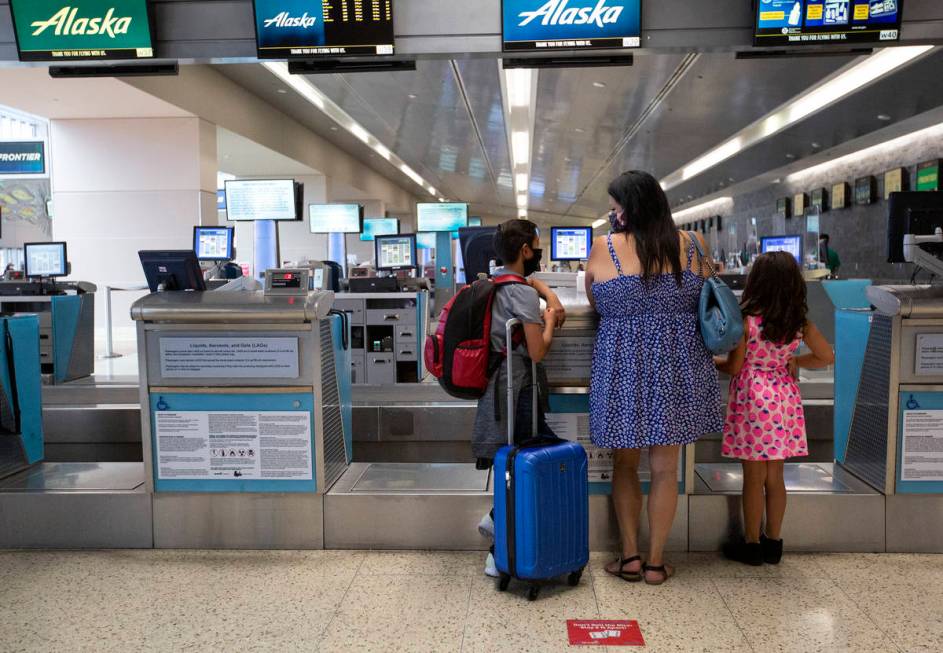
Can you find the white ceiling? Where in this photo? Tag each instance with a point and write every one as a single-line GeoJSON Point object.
{"type": "Point", "coordinates": [245, 158]}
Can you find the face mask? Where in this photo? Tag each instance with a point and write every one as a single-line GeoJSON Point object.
{"type": "Point", "coordinates": [533, 264]}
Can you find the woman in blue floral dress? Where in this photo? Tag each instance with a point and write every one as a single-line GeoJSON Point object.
{"type": "Point", "coordinates": [654, 385]}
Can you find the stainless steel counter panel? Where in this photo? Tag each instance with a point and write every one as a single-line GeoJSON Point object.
{"type": "Point", "coordinates": [231, 307]}
{"type": "Point", "coordinates": [908, 301]}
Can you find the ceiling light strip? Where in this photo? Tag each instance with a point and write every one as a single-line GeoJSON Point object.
{"type": "Point", "coordinates": [846, 82]}
{"type": "Point", "coordinates": [333, 111]}
{"type": "Point", "coordinates": [519, 94]}
{"type": "Point", "coordinates": [715, 206]}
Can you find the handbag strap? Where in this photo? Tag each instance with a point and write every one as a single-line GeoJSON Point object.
{"type": "Point", "coordinates": [700, 253]}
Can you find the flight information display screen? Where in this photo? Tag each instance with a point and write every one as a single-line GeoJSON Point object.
{"type": "Point", "coordinates": [396, 252]}
{"type": "Point", "coordinates": [334, 218]}
{"type": "Point", "coordinates": [373, 227]}
{"type": "Point", "coordinates": [303, 29]}
{"type": "Point", "coordinates": [261, 199]}
{"type": "Point", "coordinates": [570, 243]}
{"type": "Point", "coordinates": [53, 30]}
{"type": "Point", "coordinates": [441, 216]}
{"type": "Point", "coordinates": [800, 22]}
{"type": "Point", "coordinates": [544, 25]}
{"type": "Point", "coordinates": [790, 244]}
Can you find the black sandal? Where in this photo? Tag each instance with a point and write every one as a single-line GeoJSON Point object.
{"type": "Point", "coordinates": [659, 569]}
{"type": "Point", "coordinates": [627, 576]}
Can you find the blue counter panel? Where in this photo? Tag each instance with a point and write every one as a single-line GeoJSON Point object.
{"type": "Point", "coordinates": [262, 402]}
{"type": "Point", "coordinates": [852, 329]}
{"type": "Point", "coordinates": [65, 325]}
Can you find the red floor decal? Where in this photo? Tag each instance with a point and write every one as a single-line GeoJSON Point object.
{"type": "Point", "coordinates": [600, 632]}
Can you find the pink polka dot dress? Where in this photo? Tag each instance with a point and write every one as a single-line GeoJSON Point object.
{"type": "Point", "coordinates": [765, 420]}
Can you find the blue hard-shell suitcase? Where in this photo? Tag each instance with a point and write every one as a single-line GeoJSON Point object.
{"type": "Point", "coordinates": [541, 506]}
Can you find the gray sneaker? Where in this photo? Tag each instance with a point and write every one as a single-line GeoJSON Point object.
{"type": "Point", "coordinates": [491, 569]}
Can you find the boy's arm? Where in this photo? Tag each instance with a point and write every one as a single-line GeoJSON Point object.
{"type": "Point", "coordinates": [551, 298]}
{"type": "Point", "coordinates": [540, 337]}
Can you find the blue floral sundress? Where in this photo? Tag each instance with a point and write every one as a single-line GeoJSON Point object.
{"type": "Point", "coordinates": [653, 380]}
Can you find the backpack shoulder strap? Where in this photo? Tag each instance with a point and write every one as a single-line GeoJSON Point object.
{"type": "Point", "coordinates": [508, 280]}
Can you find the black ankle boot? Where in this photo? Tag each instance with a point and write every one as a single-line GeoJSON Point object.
{"type": "Point", "coordinates": [745, 552]}
{"type": "Point", "coordinates": [772, 550]}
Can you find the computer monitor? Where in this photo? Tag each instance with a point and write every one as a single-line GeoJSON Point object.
{"type": "Point", "coordinates": [396, 252]}
{"type": "Point", "coordinates": [172, 270]}
{"type": "Point", "coordinates": [791, 244]}
{"type": "Point", "coordinates": [263, 199]}
{"type": "Point", "coordinates": [570, 243]}
{"type": "Point", "coordinates": [441, 216]}
{"type": "Point", "coordinates": [45, 259]}
{"type": "Point", "coordinates": [373, 227]}
{"type": "Point", "coordinates": [214, 243]}
{"type": "Point", "coordinates": [910, 213]}
{"type": "Point", "coordinates": [477, 249]}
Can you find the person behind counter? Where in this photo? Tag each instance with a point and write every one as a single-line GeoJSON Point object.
{"type": "Point", "coordinates": [517, 243]}
{"type": "Point", "coordinates": [765, 422]}
{"type": "Point", "coordinates": [828, 256]}
{"type": "Point", "coordinates": [653, 384]}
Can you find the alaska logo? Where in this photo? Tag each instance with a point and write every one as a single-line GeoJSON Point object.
{"type": "Point", "coordinates": [284, 19]}
{"type": "Point", "coordinates": [66, 23]}
{"type": "Point", "coordinates": [556, 12]}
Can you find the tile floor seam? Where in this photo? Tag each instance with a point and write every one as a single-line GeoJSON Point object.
{"type": "Point", "coordinates": [732, 615]}
{"type": "Point", "coordinates": [867, 615]}
{"type": "Point", "coordinates": [461, 648]}
{"type": "Point", "coordinates": [340, 603]}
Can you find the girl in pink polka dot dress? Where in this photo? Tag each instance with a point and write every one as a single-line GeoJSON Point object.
{"type": "Point", "coordinates": [765, 423]}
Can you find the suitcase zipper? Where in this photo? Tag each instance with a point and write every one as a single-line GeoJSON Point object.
{"type": "Point", "coordinates": [510, 516]}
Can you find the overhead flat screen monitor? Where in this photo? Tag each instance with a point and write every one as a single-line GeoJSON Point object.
{"type": "Point", "coordinates": [45, 260]}
{"type": "Point", "coordinates": [441, 216]}
{"type": "Point", "coordinates": [396, 252]}
{"type": "Point", "coordinates": [172, 270]}
{"type": "Point", "coordinates": [426, 240]}
{"type": "Point", "coordinates": [302, 29]}
{"type": "Point", "coordinates": [570, 243]}
{"type": "Point", "coordinates": [547, 25]}
{"type": "Point", "coordinates": [261, 199]}
{"type": "Point", "coordinates": [373, 227]}
{"type": "Point", "coordinates": [910, 213]}
{"type": "Point", "coordinates": [335, 218]}
{"type": "Point", "coordinates": [811, 22]}
{"type": "Point", "coordinates": [791, 244]}
{"type": "Point", "coordinates": [214, 243]}
{"type": "Point", "coordinates": [54, 30]}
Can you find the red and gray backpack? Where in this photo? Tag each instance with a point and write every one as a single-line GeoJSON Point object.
{"type": "Point", "coordinates": [459, 353]}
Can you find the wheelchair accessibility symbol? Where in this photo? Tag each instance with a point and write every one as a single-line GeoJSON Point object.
{"type": "Point", "coordinates": [161, 404]}
{"type": "Point", "coordinates": [912, 404]}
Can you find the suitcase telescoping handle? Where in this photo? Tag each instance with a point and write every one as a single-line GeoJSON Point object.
{"type": "Point", "coordinates": [509, 330]}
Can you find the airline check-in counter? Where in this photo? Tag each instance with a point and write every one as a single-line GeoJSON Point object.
{"type": "Point", "coordinates": [245, 415]}
{"type": "Point", "coordinates": [66, 312]}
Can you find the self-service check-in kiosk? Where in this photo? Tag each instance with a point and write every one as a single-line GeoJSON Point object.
{"type": "Point", "coordinates": [245, 414]}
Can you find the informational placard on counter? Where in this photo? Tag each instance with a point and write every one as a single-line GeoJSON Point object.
{"type": "Point", "coordinates": [233, 445]}
{"type": "Point", "coordinates": [221, 358]}
{"type": "Point", "coordinates": [570, 359]}
{"type": "Point", "coordinates": [575, 427]}
{"type": "Point", "coordinates": [929, 356]}
{"type": "Point", "coordinates": [922, 446]}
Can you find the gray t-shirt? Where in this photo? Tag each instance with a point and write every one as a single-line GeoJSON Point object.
{"type": "Point", "coordinates": [514, 301]}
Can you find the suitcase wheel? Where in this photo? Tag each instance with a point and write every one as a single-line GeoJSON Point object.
{"type": "Point", "coordinates": [534, 591]}
{"type": "Point", "coordinates": [503, 582]}
{"type": "Point", "coordinates": [574, 579]}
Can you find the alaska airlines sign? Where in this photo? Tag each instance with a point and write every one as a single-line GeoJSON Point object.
{"type": "Point", "coordinates": [576, 24]}
{"type": "Point", "coordinates": [82, 29]}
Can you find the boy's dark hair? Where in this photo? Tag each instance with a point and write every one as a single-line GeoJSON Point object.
{"type": "Point", "coordinates": [511, 238]}
{"type": "Point", "coordinates": [776, 291]}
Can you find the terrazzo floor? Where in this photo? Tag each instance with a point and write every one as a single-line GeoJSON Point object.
{"type": "Point", "coordinates": [126, 601]}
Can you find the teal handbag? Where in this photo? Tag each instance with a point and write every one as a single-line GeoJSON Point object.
{"type": "Point", "coordinates": [719, 311]}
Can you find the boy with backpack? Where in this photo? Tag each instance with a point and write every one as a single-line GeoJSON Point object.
{"type": "Point", "coordinates": [517, 243]}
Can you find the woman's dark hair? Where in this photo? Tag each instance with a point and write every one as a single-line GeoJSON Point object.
{"type": "Point", "coordinates": [511, 238]}
{"type": "Point", "coordinates": [776, 292]}
{"type": "Point", "coordinates": [648, 218]}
